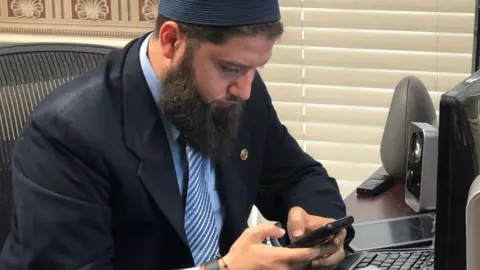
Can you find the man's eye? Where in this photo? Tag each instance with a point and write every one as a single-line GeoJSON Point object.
{"type": "Point", "coordinates": [230, 69]}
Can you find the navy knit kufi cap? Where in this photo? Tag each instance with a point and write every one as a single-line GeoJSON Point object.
{"type": "Point", "coordinates": [220, 12]}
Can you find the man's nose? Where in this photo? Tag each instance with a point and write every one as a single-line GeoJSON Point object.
{"type": "Point", "coordinates": [242, 86]}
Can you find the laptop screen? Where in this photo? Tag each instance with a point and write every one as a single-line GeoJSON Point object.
{"type": "Point", "coordinates": [406, 231]}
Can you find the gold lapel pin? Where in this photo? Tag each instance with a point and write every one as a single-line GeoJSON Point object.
{"type": "Point", "coordinates": [244, 154]}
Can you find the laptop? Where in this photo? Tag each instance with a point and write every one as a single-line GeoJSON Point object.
{"type": "Point", "coordinates": [402, 243]}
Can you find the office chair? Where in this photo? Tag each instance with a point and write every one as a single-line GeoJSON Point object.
{"type": "Point", "coordinates": [28, 73]}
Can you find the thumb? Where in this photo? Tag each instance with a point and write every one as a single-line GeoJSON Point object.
{"type": "Point", "coordinates": [260, 232]}
{"type": "Point", "coordinates": [296, 223]}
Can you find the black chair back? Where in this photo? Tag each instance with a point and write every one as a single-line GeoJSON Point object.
{"type": "Point", "coordinates": [28, 73]}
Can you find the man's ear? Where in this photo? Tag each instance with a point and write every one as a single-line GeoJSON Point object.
{"type": "Point", "coordinates": [170, 39]}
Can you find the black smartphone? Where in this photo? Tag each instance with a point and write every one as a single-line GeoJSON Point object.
{"type": "Point", "coordinates": [323, 234]}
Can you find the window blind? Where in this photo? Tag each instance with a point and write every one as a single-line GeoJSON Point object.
{"type": "Point", "coordinates": [332, 74]}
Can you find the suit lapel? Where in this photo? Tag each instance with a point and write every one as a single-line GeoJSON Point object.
{"type": "Point", "coordinates": [157, 172]}
{"type": "Point", "coordinates": [145, 137]}
{"type": "Point", "coordinates": [231, 176]}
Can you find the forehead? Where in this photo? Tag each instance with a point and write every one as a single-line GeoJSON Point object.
{"type": "Point", "coordinates": [248, 51]}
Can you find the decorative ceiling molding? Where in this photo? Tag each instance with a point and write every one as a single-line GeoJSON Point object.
{"type": "Point", "coordinates": [96, 18]}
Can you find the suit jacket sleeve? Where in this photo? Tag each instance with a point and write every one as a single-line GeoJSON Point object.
{"type": "Point", "coordinates": [61, 216]}
{"type": "Point", "coordinates": [290, 177]}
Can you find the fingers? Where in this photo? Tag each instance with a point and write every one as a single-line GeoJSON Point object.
{"type": "Point", "coordinates": [327, 250]}
{"type": "Point", "coordinates": [339, 237]}
{"type": "Point", "coordinates": [297, 254]}
{"type": "Point", "coordinates": [333, 259]}
{"type": "Point", "coordinates": [327, 254]}
{"type": "Point", "coordinates": [259, 233]}
{"type": "Point", "coordinates": [332, 251]}
{"type": "Point", "coordinates": [303, 255]}
{"type": "Point", "coordinates": [296, 223]}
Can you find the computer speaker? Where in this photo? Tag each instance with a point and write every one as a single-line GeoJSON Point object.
{"type": "Point", "coordinates": [472, 230]}
{"type": "Point", "coordinates": [421, 167]}
{"type": "Point", "coordinates": [410, 103]}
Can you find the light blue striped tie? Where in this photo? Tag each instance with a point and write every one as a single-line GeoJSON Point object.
{"type": "Point", "coordinates": [200, 226]}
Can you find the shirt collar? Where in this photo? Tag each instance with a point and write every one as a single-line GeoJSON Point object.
{"type": "Point", "coordinates": [155, 86]}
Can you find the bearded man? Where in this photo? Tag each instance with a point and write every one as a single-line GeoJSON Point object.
{"type": "Point", "coordinates": [155, 159]}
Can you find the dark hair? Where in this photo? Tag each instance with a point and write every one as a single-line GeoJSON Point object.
{"type": "Point", "coordinates": [221, 34]}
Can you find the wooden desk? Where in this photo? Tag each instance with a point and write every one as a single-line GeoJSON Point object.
{"type": "Point", "coordinates": [390, 204]}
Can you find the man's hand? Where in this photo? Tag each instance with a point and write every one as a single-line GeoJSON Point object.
{"type": "Point", "coordinates": [248, 251]}
{"type": "Point", "coordinates": [300, 222]}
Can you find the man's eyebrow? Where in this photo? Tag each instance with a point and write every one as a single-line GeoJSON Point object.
{"type": "Point", "coordinates": [239, 65]}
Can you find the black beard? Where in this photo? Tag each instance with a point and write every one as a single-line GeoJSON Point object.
{"type": "Point", "coordinates": [208, 129]}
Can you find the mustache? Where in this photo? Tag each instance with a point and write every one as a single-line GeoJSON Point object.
{"type": "Point", "coordinates": [230, 99]}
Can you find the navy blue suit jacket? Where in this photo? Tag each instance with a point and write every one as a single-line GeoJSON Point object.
{"type": "Point", "coordinates": [95, 186]}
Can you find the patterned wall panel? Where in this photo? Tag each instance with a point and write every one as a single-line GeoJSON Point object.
{"type": "Point", "coordinates": [29, 9]}
{"type": "Point", "coordinates": [147, 9]}
{"type": "Point", "coordinates": [93, 10]}
{"type": "Point", "coordinates": [115, 18]}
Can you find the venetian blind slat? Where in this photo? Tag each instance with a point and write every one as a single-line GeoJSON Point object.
{"type": "Point", "coordinates": [458, 6]}
{"type": "Point", "coordinates": [352, 96]}
{"type": "Point", "coordinates": [389, 20]}
{"type": "Point", "coordinates": [383, 39]}
{"type": "Point", "coordinates": [386, 59]}
{"type": "Point", "coordinates": [336, 151]}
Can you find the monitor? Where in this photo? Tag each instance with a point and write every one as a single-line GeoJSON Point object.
{"type": "Point", "coordinates": [476, 39]}
{"type": "Point", "coordinates": [458, 166]}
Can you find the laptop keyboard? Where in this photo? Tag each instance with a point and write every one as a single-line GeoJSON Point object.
{"type": "Point", "coordinates": [398, 260]}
